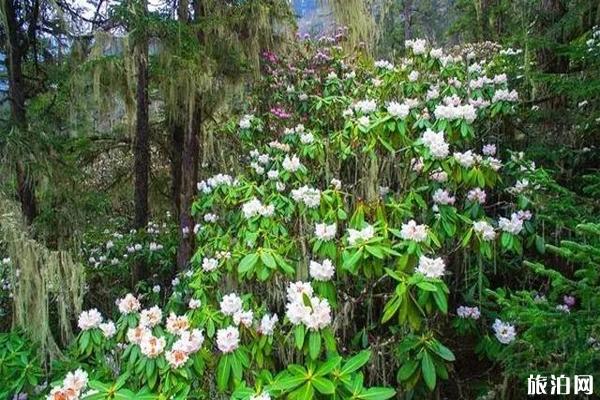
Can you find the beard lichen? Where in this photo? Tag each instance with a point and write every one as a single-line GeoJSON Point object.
{"type": "Point", "coordinates": [49, 285]}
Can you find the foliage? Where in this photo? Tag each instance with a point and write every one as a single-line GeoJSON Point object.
{"type": "Point", "coordinates": [20, 365]}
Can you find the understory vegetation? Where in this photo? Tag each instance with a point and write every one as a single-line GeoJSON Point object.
{"type": "Point", "coordinates": [200, 201]}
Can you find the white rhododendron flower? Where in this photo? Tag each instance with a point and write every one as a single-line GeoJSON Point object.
{"type": "Point", "coordinates": [355, 236]}
{"type": "Point", "coordinates": [90, 319]}
{"type": "Point", "coordinates": [442, 197]}
{"type": "Point", "coordinates": [418, 46]}
{"type": "Point", "coordinates": [308, 196]}
{"type": "Point", "coordinates": [190, 341]}
{"type": "Point", "coordinates": [505, 95]}
{"type": "Point", "coordinates": [365, 106]}
{"type": "Point", "coordinates": [176, 358]}
{"type": "Point", "coordinates": [228, 339]}
{"type": "Point", "coordinates": [307, 138]}
{"type": "Point", "coordinates": [152, 346]}
{"type": "Point", "coordinates": [72, 387]}
{"type": "Point", "coordinates": [468, 312]}
{"type": "Point", "coordinates": [254, 207]}
{"type": "Point", "coordinates": [177, 324]}
{"type": "Point", "coordinates": [209, 264]}
{"type": "Point", "coordinates": [336, 183]}
{"type": "Point", "coordinates": [514, 225]}
{"type": "Point", "coordinates": [128, 304]}
{"type": "Point", "coordinates": [244, 318]}
{"type": "Point", "coordinates": [246, 121]}
{"type": "Point", "coordinates": [398, 110]}
{"type": "Point", "coordinates": [413, 231]}
{"type": "Point", "coordinates": [325, 231]}
{"type": "Point", "coordinates": [291, 164]}
{"type": "Point", "coordinates": [108, 329]}
{"type": "Point", "coordinates": [431, 267]}
{"type": "Point", "coordinates": [439, 176]}
{"type": "Point", "coordinates": [323, 271]}
{"type": "Point", "coordinates": [364, 121]}
{"type": "Point", "coordinates": [76, 381]}
{"type": "Point", "coordinates": [453, 112]}
{"type": "Point", "coordinates": [436, 143]}
{"type": "Point", "coordinates": [297, 312]}
{"type": "Point", "coordinates": [320, 315]}
{"type": "Point", "coordinates": [520, 186]}
{"type": "Point", "coordinates": [466, 159]}
{"type": "Point", "coordinates": [489, 149]}
{"type": "Point", "coordinates": [231, 304]}
{"type": "Point", "coordinates": [505, 332]}
{"type": "Point", "coordinates": [151, 317]}
{"type": "Point", "coordinates": [137, 334]}
{"type": "Point", "coordinates": [413, 76]}
{"type": "Point", "coordinates": [384, 64]}
{"type": "Point", "coordinates": [316, 316]}
{"type": "Point", "coordinates": [267, 324]}
{"type": "Point", "coordinates": [485, 230]}
{"type": "Point", "coordinates": [476, 195]}
{"type": "Point", "coordinates": [194, 304]}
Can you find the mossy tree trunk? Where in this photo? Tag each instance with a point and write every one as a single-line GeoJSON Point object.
{"type": "Point", "coordinates": [16, 90]}
{"type": "Point", "coordinates": [142, 141]}
{"type": "Point", "coordinates": [189, 159]}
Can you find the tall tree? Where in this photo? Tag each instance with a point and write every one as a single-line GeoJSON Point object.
{"type": "Point", "coordinates": [15, 52]}
{"type": "Point", "coordinates": [189, 159]}
{"type": "Point", "coordinates": [177, 132]}
{"type": "Point", "coordinates": [142, 131]}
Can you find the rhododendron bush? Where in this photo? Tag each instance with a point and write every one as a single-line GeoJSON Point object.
{"type": "Point", "coordinates": [369, 205]}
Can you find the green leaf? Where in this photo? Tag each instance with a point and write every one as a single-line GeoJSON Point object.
{"type": "Point", "coordinates": [377, 393]}
{"type": "Point", "coordinates": [391, 308]}
{"type": "Point", "coordinates": [247, 263]}
{"type": "Point", "coordinates": [356, 362]}
{"type": "Point", "coordinates": [223, 372]}
{"type": "Point", "coordinates": [427, 286]}
{"type": "Point", "coordinates": [314, 344]}
{"type": "Point", "coordinates": [350, 261]}
{"type": "Point", "coordinates": [441, 301]}
{"type": "Point", "coordinates": [328, 366]}
{"type": "Point", "coordinates": [324, 386]}
{"type": "Point", "coordinates": [407, 369]}
{"type": "Point", "coordinates": [428, 370]}
{"type": "Point", "coordinates": [305, 392]}
{"type": "Point", "coordinates": [442, 351]}
{"type": "Point", "coordinates": [268, 260]}
{"type": "Point", "coordinates": [287, 383]}
{"type": "Point", "coordinates": [299, 336]}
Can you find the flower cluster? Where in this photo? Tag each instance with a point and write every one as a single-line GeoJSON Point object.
{"type": "Point", "coordinates": [468, 312]}
{"type": "Point", "coordinates": [431, 267]}
{"type": "Point", "coordinates": [505, 332]}
{"type": "Point", "coordinates": [325, 231]}
{"type": "Point", "coordinates": [412, 231]}
{"type": "Point", "coordinates": [308, 196]}
{"type": "Point", "coordinates": [362, 235]}
{"type": "Point", "coordinates": [304, 308]}
{"type": "Point", "coordinates": [323, 271]}
{"type": "Point", "coordinates": [72, 386]}
{"type": "Point", "coordinates": [255, 207]}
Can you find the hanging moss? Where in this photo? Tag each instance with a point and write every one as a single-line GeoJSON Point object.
{"type": "Point", "coordinates": [48, 289]}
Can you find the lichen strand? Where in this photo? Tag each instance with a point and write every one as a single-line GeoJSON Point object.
{"type": "Point", "coordinates": [49, 284]}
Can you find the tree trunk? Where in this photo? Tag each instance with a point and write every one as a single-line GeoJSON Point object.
{"type": "Point", "coordinates": [407, 13]}
{"type": "Point", "coordinates": [16, 92]}
{"type": "Point", "coordinates": [142, 143]}
{"type": "Point", "coordinates": [177, 138]}
{"type": "Point", "coordinates": [189, 178]}
{"type": "Point", "coordinates": [189, 162]}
